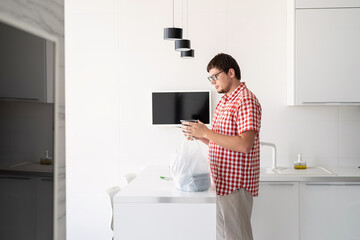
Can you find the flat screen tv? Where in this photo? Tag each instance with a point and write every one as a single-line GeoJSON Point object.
{"type": "Point", "coordinates": [169, 107]}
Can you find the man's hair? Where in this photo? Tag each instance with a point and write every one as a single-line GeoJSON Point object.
{"type": "Point", "coordinates": [224, 62]}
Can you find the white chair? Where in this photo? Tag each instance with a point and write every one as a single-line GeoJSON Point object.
{"type": "Point", "coordinates": [112, 192]}
{"type": "Point", "coordinates": [129, 177]}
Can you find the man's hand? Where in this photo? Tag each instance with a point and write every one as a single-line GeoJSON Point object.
{"type": "Point", "coordinates": [194, 130]}
{"type": "Point", "coordinates": [186, 131]}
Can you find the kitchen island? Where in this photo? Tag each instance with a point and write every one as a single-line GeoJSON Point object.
{"type": "Point", "coordinates": [152, 208]}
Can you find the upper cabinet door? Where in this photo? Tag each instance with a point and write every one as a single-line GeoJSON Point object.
{"type": "Point", "coordinates": [327, 54]}
{"type": "Point", "coordinates": [26, 63]}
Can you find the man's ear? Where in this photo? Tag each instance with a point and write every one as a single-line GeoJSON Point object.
{"type": "Point", "coordinates": [231, 72]}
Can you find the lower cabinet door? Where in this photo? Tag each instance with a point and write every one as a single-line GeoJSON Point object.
{"type": "Point", "coordinates": [165, 221]}
{"type": "Point", "coordinates": [275, 212]}
{"type": "Point", "coordinates": [330, 211]}
{"type": "Point", "coordinates": [45, 209]}
{"type": "Point", "coordinates": [17, 208]}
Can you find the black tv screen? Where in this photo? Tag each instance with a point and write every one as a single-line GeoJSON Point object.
{"type": "Point", "coordinates": [168, 108]}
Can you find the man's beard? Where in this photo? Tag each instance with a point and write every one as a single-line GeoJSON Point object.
{"type": "Point", "coordinates": [225, 90]}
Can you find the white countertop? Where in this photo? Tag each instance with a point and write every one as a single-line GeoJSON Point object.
{"type": "Point", "coordinates": [28, 168]}
{"type": "Point", "coordinates": [335, 174]}
{"type": "Point", "coordinates": [149, 187]}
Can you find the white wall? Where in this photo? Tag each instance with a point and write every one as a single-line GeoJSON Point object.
{"type": "Point", "coordinates": [116, 56]}
{"type": "Point", "coordinates": [254, 32]}
{"type": "Point", "coordinates": [93, 86]}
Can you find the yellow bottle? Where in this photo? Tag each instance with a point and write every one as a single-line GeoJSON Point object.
{"type": "Point", "coordinates": [299, 164]}
{"type": "Point", "coordinates": [46, 160]}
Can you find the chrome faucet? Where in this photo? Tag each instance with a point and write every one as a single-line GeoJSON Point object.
{"type": "Point", "coordinates": [273, 147]}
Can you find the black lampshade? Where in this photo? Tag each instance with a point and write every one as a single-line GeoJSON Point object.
{"type": "Point", "coordinates": [188, 54]}
{"type": "Point", "coordinates": [182, 45]}
{"type": "Point", "coordinates": [173, 33]}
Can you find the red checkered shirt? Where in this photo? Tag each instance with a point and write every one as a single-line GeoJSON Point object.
{"type": "Point", "coordinates": [231, 170]}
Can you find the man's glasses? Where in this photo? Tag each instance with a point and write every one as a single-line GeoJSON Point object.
{"type": "Point", "coordinates": [214, 77]}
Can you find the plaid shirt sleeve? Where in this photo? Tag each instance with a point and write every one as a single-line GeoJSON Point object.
{"type": "Point", "coordinates": [248, 115]}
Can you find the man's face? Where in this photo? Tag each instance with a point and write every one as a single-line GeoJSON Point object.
{"type": "Point", "coordinates": [222, 84]}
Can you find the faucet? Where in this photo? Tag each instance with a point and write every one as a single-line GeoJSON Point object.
{"type": "Point", "coordinates": [272, 145]}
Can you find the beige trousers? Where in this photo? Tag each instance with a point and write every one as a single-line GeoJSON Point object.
{"type": "Point", "coordinates": [233, 214]}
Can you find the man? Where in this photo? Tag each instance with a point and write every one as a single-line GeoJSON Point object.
{"type": "Point", "coordinates": [234, 151]}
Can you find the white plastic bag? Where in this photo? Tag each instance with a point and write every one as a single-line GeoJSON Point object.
{"type": "Point", "coordinates": [190, 169]}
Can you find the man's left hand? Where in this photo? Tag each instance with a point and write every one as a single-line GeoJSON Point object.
{"type": "Point", "coordinates": [196, 130]}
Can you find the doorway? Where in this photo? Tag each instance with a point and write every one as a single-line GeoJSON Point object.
{"type": "Point", "coordinates": [27, 139]}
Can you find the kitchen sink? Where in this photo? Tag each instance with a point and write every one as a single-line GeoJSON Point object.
{"type": "Point", "coordinates": [310, 171]}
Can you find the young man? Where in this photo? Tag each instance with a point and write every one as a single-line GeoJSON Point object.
{"type": "Point", "coordinates": [234, 151]}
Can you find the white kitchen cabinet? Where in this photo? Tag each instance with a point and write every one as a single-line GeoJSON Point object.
{"type": "Point", "coordinates": [326, 52]}
{"type": "Point", "coordinates": [17, 208]}
{"type": "Point", "coordinates": [27, 66]}
{"type": "Point", "coordinates": [152, 208]}
{"type": "Point", "coordinates": [276, 211]}
{"type": "Point", "coordinates": [164, 221]}
{"type": "Point", "coordinates": [330, 210]}
{"type": "Point", "coordinates": [44, 204]}
{"type": "Point", "coordinates": [26, 207]}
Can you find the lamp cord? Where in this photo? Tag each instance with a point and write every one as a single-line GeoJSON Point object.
{"type": "Point", "coordinates": [187, 18]}
{"type": "Point", "coordinates": [182, 13]}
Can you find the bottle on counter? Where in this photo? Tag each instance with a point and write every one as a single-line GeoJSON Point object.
{"type": "Point", "coordinates": [299, 164]}
{"type": "Point", "coordinates": [46, 159]}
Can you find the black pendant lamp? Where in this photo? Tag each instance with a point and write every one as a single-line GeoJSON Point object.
{"type": "Point", "coordinates": [182, 45]}
{"type": "Point", "coordinates": [188, 54]}
{"type": "Point", "coordinates": [173, 33]}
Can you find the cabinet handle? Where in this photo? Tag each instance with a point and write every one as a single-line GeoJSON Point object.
{"type": "Point", "coordinates": [46, 180]}
{"type": "Point", "coordinates": [324, 7]}
{"type": "Point", "coordinates": [18, 178]}
{"type": "Point", "coordinates": [330, 102]}
{"type": "Point", "coordinates": [15, 98]}
{"type": "Point", "coordinates": [280, 184]}
{"type": "Point", "coordinates": [333, 184]}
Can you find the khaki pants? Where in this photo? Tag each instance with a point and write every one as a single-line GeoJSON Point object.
{"type": "Point", "coordinates": [233, 214]}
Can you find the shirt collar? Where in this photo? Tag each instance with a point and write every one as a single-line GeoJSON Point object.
{"type": "Point", "coordinates": [236, 92]}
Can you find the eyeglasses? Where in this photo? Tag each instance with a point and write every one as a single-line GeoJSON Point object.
{"type": "Point", "coordinates": [214, 77]}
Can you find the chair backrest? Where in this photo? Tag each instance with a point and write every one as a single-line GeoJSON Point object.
{"type": "Point", "coordinates": [111, 192]}
{"type": "Point", "coordinates": [129, 177]}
